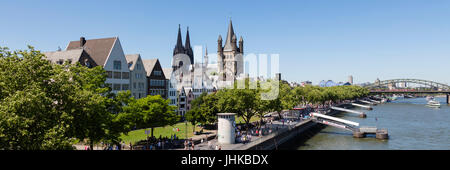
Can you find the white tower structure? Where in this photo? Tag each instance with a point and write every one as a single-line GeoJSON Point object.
{"type": "Point", "coordinates": [226, 128]}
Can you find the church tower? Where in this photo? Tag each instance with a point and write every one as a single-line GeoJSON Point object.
{"type": "Point", "coordinates": [183, 49]}
{"type": "Point", "coordinates": [230, 56]}
{"type": "Point", "coordinates": [188, 48]}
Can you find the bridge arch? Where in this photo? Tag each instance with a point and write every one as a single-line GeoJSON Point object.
{"type": "Point", "coordinates": [428, 83]}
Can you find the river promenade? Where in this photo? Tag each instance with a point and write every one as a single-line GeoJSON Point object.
{"type": "Point", "coordinates": [280, 132]}
{"type": "Point", "coordinates": [275, 133]}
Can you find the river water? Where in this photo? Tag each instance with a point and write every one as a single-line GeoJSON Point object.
{"type": "Point", "coordinates": [411, 126]}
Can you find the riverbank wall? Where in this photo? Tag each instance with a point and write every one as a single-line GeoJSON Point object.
{"type": "Point", "coordinates": [305, 129]}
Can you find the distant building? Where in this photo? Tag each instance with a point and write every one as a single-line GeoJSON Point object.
{"type": "Point", "coordinates": [72, 56]}
{"type": "Point", "coordinates": [138, 76]}
{"type": "Point", "coordinates": [294, 84]}
{"type": "Point", "coordinates": [331, 83]}
{"type": "Point", "coordinates": [305, 83]}
{"type": "Point", "coordinates": [278, 76]}
{"type": "Point", "coordinates": [189, 98]}
{"type": "Point", "coordinates": [230, 56]}
{"type": "Point", "coordinates": [105, 52]}
{"type": "Point", "coordinates": [170, 87]}
{"type": "Point", "coordinates": [392, 86]}
{"type": "Point", "coordinates": [156, 80]}
{"type": "Point", "coordinates": [182, 102]}
{"type": "Point", "coordinates": [350, 79]}
{"type": "Point", "coordinates": [186, 85]}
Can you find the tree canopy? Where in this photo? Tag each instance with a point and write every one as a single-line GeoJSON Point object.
{"type": "Point", "coordinates": [46, 106]}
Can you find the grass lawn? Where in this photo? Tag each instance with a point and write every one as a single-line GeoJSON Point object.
{"type": "Point", "coordinates": [137, 135]}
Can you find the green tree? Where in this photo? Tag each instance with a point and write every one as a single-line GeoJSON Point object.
{"type": "Point", "coordinates": [151, 112]}
{"type": "Point", "coordinates": [203, 110]}
{"type": "Point", "coordinates": [47, 106]}
{"type": "Point", "coordinates": [242, 101]}
{"type": "Point", "coordinates": [34, 109]}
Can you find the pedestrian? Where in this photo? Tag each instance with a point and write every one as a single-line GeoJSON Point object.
{"type": "Point", "coordinates": [131, 146]}
{"type": "Point", "coordinates": [217, 147]}
{"type": "Point", "coordinates": [193, 147]}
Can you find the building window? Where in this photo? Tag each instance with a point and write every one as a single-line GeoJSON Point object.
{"type": "Point", "coordinates": [157, 82]}
{"type": "Point", "coordinates": [134, 85]}
{"type": "Point", "coordinates": [109, 74]}
{"type": "Point", "coordinates": [125, 87]}
{"type": "Point", "coordinates": [116, 87]}
{"type": "Point", "coordinates": [138, 76]}
{"type": "Point", "coordinates": [130, 64]}
{"type": "Point", "coordinates": [87, 63]}
{"type": "Point", "coordinates": [125, 75]}
{"type": "Point", "coordinates": [141, 86]}
{"type": "Point", "coordinates": [117, 75]}
{"type": "Point", "coordinates": [117, 65]}
{"type": "Point", "coordinates": [157, 73]}
{"type": "Point", "coordinates": [138, 66]}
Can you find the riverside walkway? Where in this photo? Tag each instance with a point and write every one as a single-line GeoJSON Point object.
{"type": "Point", "coordinates": [276, 128]}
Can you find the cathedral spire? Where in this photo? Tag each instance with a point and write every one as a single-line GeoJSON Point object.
{"type": "Point", "coordinates": [188, 40]}
{"type": "Point", "coordinates": [230, 35]}
{"type": "Point", "coordinates": [179, 47]}
{"type": "Point", "coordinates": [188, 48]}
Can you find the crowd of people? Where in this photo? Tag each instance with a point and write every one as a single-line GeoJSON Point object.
{"type": "Point", "coordinates": [266, 127]}
{"type": "Point", "coordinates": [161, 143]}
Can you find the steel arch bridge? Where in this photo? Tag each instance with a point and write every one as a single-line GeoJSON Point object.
{"type": "Point", "coordinates": [431, 84]}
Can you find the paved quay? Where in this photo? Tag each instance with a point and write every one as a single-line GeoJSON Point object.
{"type": "Point", "coordinates": [278, 129]}
{"type": "Point", "coordinates": [276, 126]}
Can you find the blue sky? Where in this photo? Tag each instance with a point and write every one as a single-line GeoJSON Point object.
{"type": "Point", "coordinates": [316, 39]}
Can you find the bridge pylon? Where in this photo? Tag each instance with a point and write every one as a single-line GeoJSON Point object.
{"type": "Point", "coordinates": [448, 98]}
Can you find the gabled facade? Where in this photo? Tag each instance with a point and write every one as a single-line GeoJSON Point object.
{"type": "Point", "coordinates": [156, 80]}
{"type": "Point", "coordinates": [171, 89]}
{"type": "Point", "coordinates": [138, 76]}
{"type": "Point", "coordinates": [108, 53]}
{"type": "Point", "coordinates": [182, 102]}
{"type": "Point", "coordinates": [71, 56]}
{"type": "Point", "coordinates": [189, 98]}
